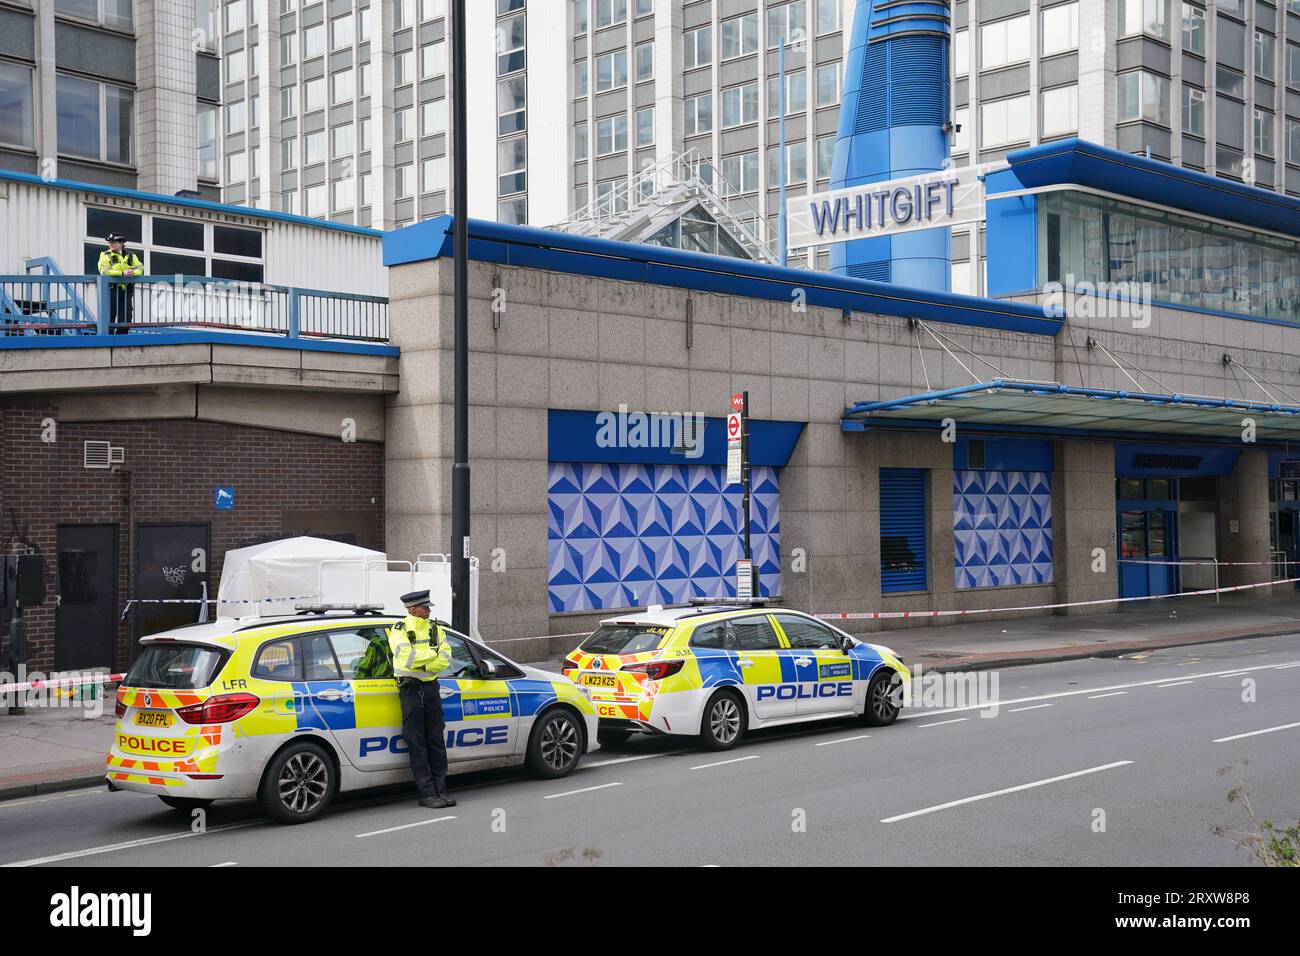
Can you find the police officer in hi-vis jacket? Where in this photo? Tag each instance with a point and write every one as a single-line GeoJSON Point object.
{"type": "Point", "coordinates": [420, 654]}
{"type": "Point", "coordinates": [116, 261]}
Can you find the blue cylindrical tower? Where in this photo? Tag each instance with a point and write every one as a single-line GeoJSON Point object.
{"type": "Point", "coordinates": [893, 120]}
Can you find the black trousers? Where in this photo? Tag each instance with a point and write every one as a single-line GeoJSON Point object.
{"type": "Point", "coordinates": [121, 307]}
{"type": "Point", "coordinates": [425, 733]}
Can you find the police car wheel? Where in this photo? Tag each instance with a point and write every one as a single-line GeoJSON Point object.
{"type": "Point", "coordinates": [882, 698]}
{"type": "Point", "coordinates": [555, 745]}
{"type": "Point", "coordinates": [186, 803]}
{"type": "Point", "coordinates": [298, 784]}
{"type": "Point", "coordinates": [724, 721]}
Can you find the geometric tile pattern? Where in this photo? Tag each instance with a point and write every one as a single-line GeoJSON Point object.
{"type": "Point", "coordinates": [1002, 523]}
{"type": "Point", "coordinates": [629, 535]}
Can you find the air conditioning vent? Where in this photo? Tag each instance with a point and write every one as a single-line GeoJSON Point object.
{"type": "Point", "coordinates": [975, 454]}
{"type": "Point", "coordinates": [101, 454]}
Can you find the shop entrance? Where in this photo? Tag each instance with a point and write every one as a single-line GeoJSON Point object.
{"type": "Point", "coordinates": [1167, 532]}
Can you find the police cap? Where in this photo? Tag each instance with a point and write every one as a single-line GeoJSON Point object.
{"type": "Point", "coordinates": [416, 599]}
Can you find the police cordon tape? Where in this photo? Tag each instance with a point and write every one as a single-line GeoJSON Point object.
{"type": "Point", "coordinates": [269, 600]}
{"type": "Point", "coordinates": [60, 683]}
{"type": "Point", "coordinates": [967, 612]}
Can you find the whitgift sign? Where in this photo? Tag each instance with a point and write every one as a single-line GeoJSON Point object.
{"type": "Point", "coordinates": [946, 198]}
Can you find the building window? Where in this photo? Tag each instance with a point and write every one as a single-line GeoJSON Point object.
{"type": "Point", "coordinates": [404, 68]}
{"type": "Point", "coordinates": [1148, 17]}
{"type": "Point", "coordinates": [236, 62]}
{"type": "Point", "coordinates": [1060, 29]}
{"type": "Point", "coordinates": [289, 152]}
{"type": "Point", "coordinates": [1004, 42]}
{"type": "Point", "coordinates": [511, 36]}
{"type": "Point", "coordinates": [828, 16]}
{"type": "Point", "coordinates": [205, 23]}
{"type": "Point", "coordinates": [961, 129]}
{"type": "Point", "coordinates": [512, 161]}
{"type": "Point", "coordinates": [698, 47]}
{"type": "Point", "coordinates": [1263, 132]}
{"type": "Point", "coordinates": [95, 120]}
{"type": "Point", "coordinates": [1193, 110]}
{"type": "Point", "coordinates": [741, 172]}
{"type": "Point", "coordinates": [740, 105]}
{"type": "Point", "coordinates": [796, 94]}
{"type": "Point", "coordinates": [825, 155]}
{"type": "Point", "coordinates": [699, 114]}
{"type": "Point", "coordinates": [645, 7]}
{"type": "Point", "coordinates": [513, 212]}
{"type": "Point", "coordinates": [610, 12]}
{"type": "Point", "coordinates": [313, 41]}
{"type": "Point", "coordinates": [343, 141]}
{"type": "Point", "coordinates": [1060, 111]}
{"type": "Point", "coordinates": [17, 121]}
{"type": "Point", "coordinates": [313, 148]}
{"type": "Point", "coordinates": [1193, 29]}
{"type": "Point", "coordinates": [645, 126]}
{"type": "Point", "coordinates": [828, 85]}
{"type": "Point", "coordinates": [237, 167]}
{"type": "Point", "coordinates": [434, 175]}
{"type": "Point", "coordinates": [961, 53]}
{"type": "Point", "coordinates": [645, 61]}
{"type": "Point", "coordinates": [611, 134]}
{"type": "Point", "coordinates": [611, 71]}
{"type": "Point", "coordinates": [236, 117]}
{"type": "Point", "coordinates": [580, 143]}
{"type": "Point", "coordinates": [342, 87]}
{"type": "Point", "coordinates": [341, 32]}
{"type": "Point", "coordinates": [796, 164]}
{"type": "Point", "coordinates": [786, 24]}
{"type": "Point", "coordinates": [343, 194]}
{"type": "Point", "coordinates": [404, 181]}
{"type": "Point", "coordinates": [288, 102]}
{"type": "Point", "coordinates": [115, 14]}
{"type": "Point", "coordinates": [580, 16]}
{"type": "Point", "coordinates": [403, 124]}
{"type": "Point", "coordinates": [580, 78]}
{"type": "Point", "coordinates": [1265, 51]}
{"type": "Point", "coordinates": [209, 142]}
{"type": "Point", "coordinates": [433, 60]}
{"type": "Point", "coordinates": [511, 101]}
{"type": "Point", "coordinates": [1003, 122]}
{"type": "Point", "coordinates": [740, 36]}
{"type": "Point", "coordinates": [1293, 64]}
{"type": "Point", "coordinates": [433, 9]}
{"type": "Point", "coordinates": [1293, 141]}
{"type": "Point", "coordinates": [1143, 95]}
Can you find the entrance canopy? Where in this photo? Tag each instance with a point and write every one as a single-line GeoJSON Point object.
{"type": "Point", "coordinates": [1050, 408]}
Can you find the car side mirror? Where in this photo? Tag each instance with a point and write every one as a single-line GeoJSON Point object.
{"type": "Point", "coordinates": [847, 644]}
{"type": "Point", "coordinates": [488, 669]}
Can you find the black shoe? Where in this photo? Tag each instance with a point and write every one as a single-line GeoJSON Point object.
{"type": "Point", "coordinates": [436, 803]}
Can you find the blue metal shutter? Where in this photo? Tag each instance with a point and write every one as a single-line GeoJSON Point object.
{"type": "Point", "coordinates": [902, 530]}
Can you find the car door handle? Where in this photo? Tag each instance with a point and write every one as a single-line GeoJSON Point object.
{"type": "Point", "coordinates": [445, 692]}
{"type": "Point", "coordinates": [745, 662]}
{"type": "Point", "coordinates": [803, 661]}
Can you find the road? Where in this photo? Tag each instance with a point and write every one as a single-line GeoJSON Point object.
{"type": "Point", "coordinates": [1140, 739]}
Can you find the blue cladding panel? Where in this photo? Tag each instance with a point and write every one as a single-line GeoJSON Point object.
{"type": "Point", "coordinates": [1012, 240]}
{"type": "Point", "coordinates": [903, 550]}
{"type": "Point", "coordinates": [631, 535]}
{"type": "Point", "coordinates": [1002, 528]}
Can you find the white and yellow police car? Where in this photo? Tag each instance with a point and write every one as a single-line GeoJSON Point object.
{"type": "Point", "coordinates": [286, 710]}
{"type": "Point", "coordinates": [716, 671]}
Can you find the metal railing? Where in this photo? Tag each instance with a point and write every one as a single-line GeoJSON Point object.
{"type": "Point", "coordinates": [683, 176]}
{"type": "Point", "coordinates": [82, 305]}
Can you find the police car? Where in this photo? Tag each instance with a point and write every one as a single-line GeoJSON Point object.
{"type": "Point", "coordinates": [286, 710]}
{"type": "Point", "coordinates": [717, 671]}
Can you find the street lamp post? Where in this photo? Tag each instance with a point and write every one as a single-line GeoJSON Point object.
{"type": "Point", "coordinates": [460, 576]}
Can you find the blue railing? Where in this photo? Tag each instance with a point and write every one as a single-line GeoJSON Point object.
{"type": "Point", "coordinates": [55, 304]}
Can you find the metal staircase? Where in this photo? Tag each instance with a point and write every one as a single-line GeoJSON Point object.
{"type": "Point", "coordinates": [636, 208]}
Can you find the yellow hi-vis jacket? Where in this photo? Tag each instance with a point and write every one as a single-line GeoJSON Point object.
{"type": "Point", "coordinates": [420, 649]}
{"type": "Point", "coordinates": [115, 264]}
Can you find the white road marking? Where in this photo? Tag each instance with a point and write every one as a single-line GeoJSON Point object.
{"type": "Point", "coordinates": [404, 826]}
{"type": "Point", "coordinates": [1001, 793]}
{"type": "Point", "coordinates": [842, 740]}
{"type": "Point", "coordinates": [942, 723]}
{"type": "Point", "coordinates": [1180, 683]}
{"type": "Point", "coordinates": [227, 863]}
{"type": "Point", "coordinates": [50, 798]}
{"type": "Point", "coordinates": [1114, 693]}
{"type": "Point", "coordinates": [569, 793]}
{"type": "Point", "coordinates": [1089, 690]}
{"type": "Point", "coordinates": [720, 763]}
{"type": "Point", "coordinates": [1016, 710]}
{"type": "Point", "coordinates": [1255, 733]}
{"type": "Point", "coordinates": [1233, 674]}
{"type": "Point", "coordinates": [131, 844]}
{"type": "Point", "coordinates": [592, 765]}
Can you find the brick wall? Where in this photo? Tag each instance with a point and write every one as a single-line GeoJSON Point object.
{"type": "Point", "coordinates": [285, 484]}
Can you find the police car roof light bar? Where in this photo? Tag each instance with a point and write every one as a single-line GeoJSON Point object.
{"type": "Point", "coordinates": [324, 608]}
{"type": "Point", "coordinates": [734, 602]}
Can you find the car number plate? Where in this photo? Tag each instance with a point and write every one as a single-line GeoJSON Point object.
{"type": "Point", "coordinates": [153, 718]}
{"type": "Point", "coordinates": [600, 680]}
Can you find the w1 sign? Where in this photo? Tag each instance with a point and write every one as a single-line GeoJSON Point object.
{"type": "Point", "coordinates": [949, 197]}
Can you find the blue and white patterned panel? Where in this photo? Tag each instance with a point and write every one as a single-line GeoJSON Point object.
{"type": "Point", "coordinates": [628, 535]}
{"type": "Point", "coordinates": [1002, 523]}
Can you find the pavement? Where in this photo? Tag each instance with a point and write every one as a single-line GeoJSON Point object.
{"type": "Point", "coordinates": [51, 749]}
{"type": "Point", "coordinates": [1100, 762]}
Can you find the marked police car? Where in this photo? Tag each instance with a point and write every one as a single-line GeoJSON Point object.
{"type": "Point", "coordinates": [717, 671]}
{"type": "Point", "coordinates": [286, 710]}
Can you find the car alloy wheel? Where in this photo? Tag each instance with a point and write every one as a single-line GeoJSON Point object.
{"type": "Point", "coordinates": [303, 783]}
{"type": "Point", "coordinates": [724, 720]}
{"type": "Point", "coordinates": [560, 744]}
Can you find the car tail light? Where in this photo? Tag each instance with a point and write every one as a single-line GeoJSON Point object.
{"type": "Point", "coordinates": [221, 709]}
{"type": "Point", "coordinates": [569, 665]}
{"type": "Point", "coordinates": [655, 670]}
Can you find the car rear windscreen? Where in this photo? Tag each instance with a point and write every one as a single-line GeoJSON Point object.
{"type": "Point", "coordinates": [175, 666]}
{"type": "Point", "coordinates": [625, 639]}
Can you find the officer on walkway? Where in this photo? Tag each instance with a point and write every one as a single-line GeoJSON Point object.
{"type": "Point", "coordinates": [420, 654]}
{"type": "Point", "coordinates": [117, 262]}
